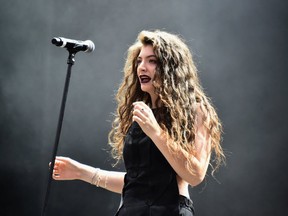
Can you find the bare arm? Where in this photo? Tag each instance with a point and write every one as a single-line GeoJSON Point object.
{"type": "Point", "coordinates": [68, 169]}
{"type": "Point", "coordinates": [200, 162]}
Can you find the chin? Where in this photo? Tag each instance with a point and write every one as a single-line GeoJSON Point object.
{"type": "Point", "coordinates": [145, 89]}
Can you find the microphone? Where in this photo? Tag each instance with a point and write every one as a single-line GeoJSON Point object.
{"type": "Point", "coordinates": [74, 45]}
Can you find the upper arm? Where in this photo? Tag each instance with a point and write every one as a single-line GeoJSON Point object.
{"type": "Point", "coordinates": [202, 143]}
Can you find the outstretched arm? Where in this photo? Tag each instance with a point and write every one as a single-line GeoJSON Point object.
{"type": "Point", "coordinates": [69, 169]}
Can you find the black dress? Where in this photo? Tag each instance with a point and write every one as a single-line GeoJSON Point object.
{"type": "Point", "coordinates": [150, 185]}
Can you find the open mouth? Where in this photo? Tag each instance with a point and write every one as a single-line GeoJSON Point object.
{"type": "Point", "coordinates": [144, 78]}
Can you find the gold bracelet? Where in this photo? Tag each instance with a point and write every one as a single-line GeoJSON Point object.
{"type": "Point", "coordinates": [106, 179]}
{"type": "Point", "coordinates": [97, 183]}
{"type": "Point", "coordinates": [95, 177]}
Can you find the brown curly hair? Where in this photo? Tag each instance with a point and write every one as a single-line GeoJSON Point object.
{"type": "Point", "coordinates": [179, 92]}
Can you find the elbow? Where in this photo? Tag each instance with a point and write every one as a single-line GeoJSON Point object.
{"type": "Point", "coordinates": [196, 181]}
{"type": "Point", "coordinates": [198, 174]}
{"type": "Point", "coordinates": [197, 178]}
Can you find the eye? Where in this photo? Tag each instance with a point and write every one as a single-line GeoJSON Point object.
{"type": "Point", "coordinates": [153, 61]}
{"type": "Point", "coordinates": [138, 61]}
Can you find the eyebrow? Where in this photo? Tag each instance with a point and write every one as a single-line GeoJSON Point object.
{"type": "Point", "coordinates": [149, 56]}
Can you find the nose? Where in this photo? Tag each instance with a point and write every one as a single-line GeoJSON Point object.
{"type": "Point", "coordinates": [142, 66]}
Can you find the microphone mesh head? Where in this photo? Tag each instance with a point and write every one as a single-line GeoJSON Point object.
{"type": "Point", "coordinates": [90, 46]}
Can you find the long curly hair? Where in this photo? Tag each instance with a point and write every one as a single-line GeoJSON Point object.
{"type": "Point", "coordinates": [179, 92]}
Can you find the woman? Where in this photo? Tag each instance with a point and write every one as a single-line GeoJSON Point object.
{"type": "Point", "coordinates": [165, 130]}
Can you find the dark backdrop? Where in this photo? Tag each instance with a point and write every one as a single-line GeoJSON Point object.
{"type": "Point", "coordinates": [241, 51]}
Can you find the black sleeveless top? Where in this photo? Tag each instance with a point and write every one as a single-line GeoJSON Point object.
{"type": "Point", "coordinates": [150, 185]}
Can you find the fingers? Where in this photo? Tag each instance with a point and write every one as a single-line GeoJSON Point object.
{"type": "Point", "coordinates": [139, 116]}
{"type": "Point", "coordinates": [144, 116]}
{"type": "Point", "coordinates": [56, 176]}
{"type": "Point", "coordinates": [141, 111]}
{"type": "Point", "coordinates": [138, 120]}
{"type": "Point", "coordinates": [61, 158]}
{"type": "Point", "coordinates": [140, 105]}
{"type": "Point", "coordinates": [64, 168]}
{"type": "Point", "coordinates": [57, 166]}
{"type": "Point", "coordinates": [56, 163]}
{"type": "Point", "coordinates": [57, 170]}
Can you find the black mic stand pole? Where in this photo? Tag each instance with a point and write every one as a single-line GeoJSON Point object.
{"type": "Point", "coordinates": [70, 62]}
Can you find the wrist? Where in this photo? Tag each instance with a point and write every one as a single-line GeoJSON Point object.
{"type": "Point", "coordinates": [159, 137]}
{"type": "Point", "coordinates": [85, 172]}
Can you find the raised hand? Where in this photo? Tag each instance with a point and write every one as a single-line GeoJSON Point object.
{"type": "Point", "coordinates": [144, 116]}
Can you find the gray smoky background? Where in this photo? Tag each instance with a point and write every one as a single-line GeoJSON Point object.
{"type": "Point", "coordinates": [240, 48]}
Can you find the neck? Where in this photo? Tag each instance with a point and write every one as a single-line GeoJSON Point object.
{"type": "Point", "coordinates": [153, 100]}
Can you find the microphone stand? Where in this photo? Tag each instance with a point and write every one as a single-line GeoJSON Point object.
{"type": "Point", "coordinates": [70, 62]}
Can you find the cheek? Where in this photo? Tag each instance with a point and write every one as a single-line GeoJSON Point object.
{"type": "Point", "coordinates": [153, 73]}
{"type": "Point", "coordinates": [137, 71]}
{"type": "Point", "coordinates": [153, 68]}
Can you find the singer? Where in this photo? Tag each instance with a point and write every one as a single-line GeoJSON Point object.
{"type": "Point", "coordinates": [165, 130]}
